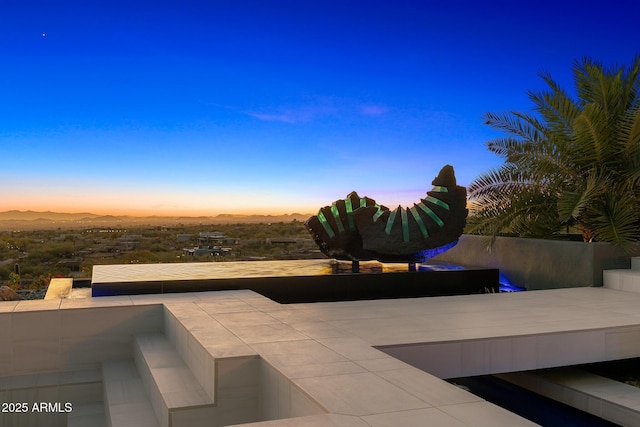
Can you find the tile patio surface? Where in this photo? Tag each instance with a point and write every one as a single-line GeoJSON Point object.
{"type": "Point", "coordinates": [329, 350]}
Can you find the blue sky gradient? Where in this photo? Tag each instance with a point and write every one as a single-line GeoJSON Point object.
{"type": "Point", "coordinates": [207, 107]}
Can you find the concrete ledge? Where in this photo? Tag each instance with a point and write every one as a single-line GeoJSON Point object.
{"type": "Point", "coordinates": [303, 285]}
{"type": "Point", "coordinates": [608, 399]}
{"type": "Point", "coordinates": [50, 379]}
{"type": "Point", "coordinates": [622, 280]}
{"type": "Point", "coordinates": [59, 288]}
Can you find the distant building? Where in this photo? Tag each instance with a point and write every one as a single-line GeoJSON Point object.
{"type": "Point", "coordinates": [212, 234]}
{"type": "Point", "coordinates": [280, 240]}
{"type": "Point", "coordinates": [123, 245]}
{"type": "Point", "coordinates": [287, 240]}
{"type": "Point", "coordinates": [216, 238]}
{"type": "Point", "coordinates": [206, 250]}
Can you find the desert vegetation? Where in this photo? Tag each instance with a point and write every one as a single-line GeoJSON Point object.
{"type": "Point", "coordinates": [29, 259]}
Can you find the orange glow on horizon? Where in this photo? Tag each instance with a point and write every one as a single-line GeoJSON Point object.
{"type": "Point", "coordinates": [110, 201]}
{"type": "Point", "coordinates": [118, 201]}
{"type": "Point", "coordinates": [97, 209]}
{"type": "Point", "coordinates": [141, 212]}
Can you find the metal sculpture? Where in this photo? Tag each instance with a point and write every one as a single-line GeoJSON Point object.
{"type": "Point", "coordinates": [357, 228]}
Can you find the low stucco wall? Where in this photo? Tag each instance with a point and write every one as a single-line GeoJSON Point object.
{"type": "Point", "coordinates": [38, 337]}
{"type": "Point", "coordinates": [537, 263]}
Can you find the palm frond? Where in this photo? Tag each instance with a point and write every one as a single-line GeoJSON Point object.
{"type": "Point", "coordinates": [615, 221]}
{"type": "Point", "coordinates": [519, 215]}
{"type": "Point", "coordinates": [571, 204]}
{"type": "Point", "coordinates": [589, 77]}
{"type": "Point", "coordinates": [556, 107]}
{"type": "Point", "coordinates": [504, 180]}
{"type": "Point", "coordinates": [504, 147]}
{"type": "Point", "coordinates": [518, 124]}
{"type": "Point", "coordinates": [629, 129]}
{"type": "Point", "coordinates": [593, 134]}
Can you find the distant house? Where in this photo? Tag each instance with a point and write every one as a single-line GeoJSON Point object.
{"type": "Point", "coordinates": [286, 240]}
{"type": "Point", "coordinates": [123, 245]}
{"type": "Point", "coordinates": [206, 250]}
{"type": "Point", "coordinates": [216, 238]}
{"type": "Point", "coordinates": [280, 240]}
{"type": "Point", "coordinates": [212, 234]}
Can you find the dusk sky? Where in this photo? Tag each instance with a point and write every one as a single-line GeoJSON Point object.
{"type": "Point", "coordinates": [205, 107]}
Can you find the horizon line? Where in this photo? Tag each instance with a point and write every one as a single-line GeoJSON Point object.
{"type": "Point", "coordinates": [157, 215]}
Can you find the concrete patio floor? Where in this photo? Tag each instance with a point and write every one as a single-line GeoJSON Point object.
{"type": "Point", "coordinates": [356, 361]}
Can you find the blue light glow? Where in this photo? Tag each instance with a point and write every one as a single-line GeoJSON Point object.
{"type": "Point", "coordinates": [427, 254]}
{"type": "Point", "coordinates": [507, 286]}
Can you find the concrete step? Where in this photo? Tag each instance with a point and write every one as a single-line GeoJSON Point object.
{"type": "Point", "coordinates": [125, 398]}
{"type": "Point", "coordinates": [177, 397]}
{"type": "Point", "coordinates": [88, 414]}
{"type": "Point", "coordinates": [622, 280]}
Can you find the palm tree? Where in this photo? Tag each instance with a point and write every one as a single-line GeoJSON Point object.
{"type": "Point", "coordinates": [571, 163]}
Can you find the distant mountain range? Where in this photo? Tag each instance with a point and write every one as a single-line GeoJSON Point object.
{"type": "Point", "coordinates": [50, 216]}
{"type": "Point", "coordinates": [30, 220]}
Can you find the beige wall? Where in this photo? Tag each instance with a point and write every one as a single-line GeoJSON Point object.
{"type": "Point", "coordinates": [537, 263]}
